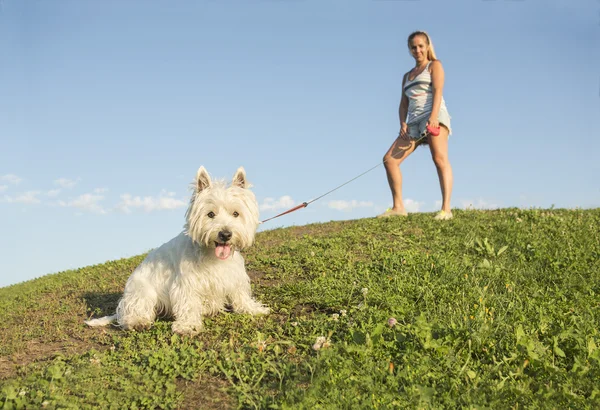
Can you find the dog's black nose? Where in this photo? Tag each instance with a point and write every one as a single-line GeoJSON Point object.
{"type": "Point", "coordinates": [224, 236]}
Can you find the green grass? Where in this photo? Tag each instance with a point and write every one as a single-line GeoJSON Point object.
{"type": "Point", "coordinates": [493, 309]}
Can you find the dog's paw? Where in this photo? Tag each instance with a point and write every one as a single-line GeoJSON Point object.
{"type": "Point", "coordinates": [136, 326]}
{"type": "Point", "coordinates": [140, 327]}
{"type": "Point", "coordinates": [259, 310]}
{"type": "Point", "coordinates": [186, 329]}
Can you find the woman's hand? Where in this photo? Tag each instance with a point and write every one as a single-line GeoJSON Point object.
{"type": "Point", "coordinates": [404, 132]}
{"type": "Point", "coordinates": [433, 122]}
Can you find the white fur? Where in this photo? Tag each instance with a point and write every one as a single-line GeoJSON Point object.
{"type": "Point", "coordinates": [184, 278]}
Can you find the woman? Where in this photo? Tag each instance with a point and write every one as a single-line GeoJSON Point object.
{"type": "Point", "coordinates": [422, 105]}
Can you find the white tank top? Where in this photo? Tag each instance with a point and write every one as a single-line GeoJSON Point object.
{"type": "Point", "coordinates": [420, 96]}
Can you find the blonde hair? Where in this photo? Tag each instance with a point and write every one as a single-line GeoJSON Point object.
{"type": "Point", "coordinates": [430, 51]}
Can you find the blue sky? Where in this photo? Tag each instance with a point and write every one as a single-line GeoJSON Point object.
{"type": "Point", "coordinates": [108, 108]}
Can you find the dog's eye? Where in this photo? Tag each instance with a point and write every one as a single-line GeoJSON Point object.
{"type": "Point", "coordinates": [211, 214]}
{"type": "Point", "coordinates": [236, 214]}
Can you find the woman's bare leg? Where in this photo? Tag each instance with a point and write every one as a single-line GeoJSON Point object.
{"type": "Point", "coordinates": [439, 152]}
{"type": "Point", "coordinates": [398, 152]}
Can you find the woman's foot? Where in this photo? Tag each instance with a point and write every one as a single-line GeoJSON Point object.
{"type": "Point", "coordinates": [443, 215]}
{"type": "Point", "coordinates": [390, 212]}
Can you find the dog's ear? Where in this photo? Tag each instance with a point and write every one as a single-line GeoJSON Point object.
{"type": "Point", "coordinates": [203, 180]}
{"type": "Point", "coordinates": [239, 179]}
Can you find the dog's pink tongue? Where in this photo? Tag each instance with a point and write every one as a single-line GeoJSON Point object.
{"type": "Point", "coordinates": [222, 251]}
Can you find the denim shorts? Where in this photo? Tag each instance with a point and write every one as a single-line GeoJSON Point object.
{"type": "Point", "coordinates": [416, 129]}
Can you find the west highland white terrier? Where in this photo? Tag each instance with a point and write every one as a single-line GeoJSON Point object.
{"type": "Point", "coordinates": [201, 270]}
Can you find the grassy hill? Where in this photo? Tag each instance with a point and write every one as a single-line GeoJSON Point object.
{"type": "Point", "coordinates": [494, 309]}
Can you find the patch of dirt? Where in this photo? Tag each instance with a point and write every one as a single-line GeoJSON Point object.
{"type": "Point", "coordinates": [318, 229]}
{"type": "Point", "coordinates": [303, 309]}
{"type": "Point", "coordinates": [259, 279]}
{"type": "Point", "coordinates": [103, 302]}
{"type": "Point", "coordinates": [270, 238]}
{"type": "Point", "coordinates": [207, 393]}
{"type": "Point", "coordinates": [38, 351]}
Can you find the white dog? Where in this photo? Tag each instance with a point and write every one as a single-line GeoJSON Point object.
{"type": "Point", "coordinates": [201, 270]}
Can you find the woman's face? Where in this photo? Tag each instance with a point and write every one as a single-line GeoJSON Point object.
{"type": "Point", "coordinates": [418, 48]}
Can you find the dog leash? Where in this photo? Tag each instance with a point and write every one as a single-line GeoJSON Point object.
{"type": "Point", "coordinates": [305, 204]}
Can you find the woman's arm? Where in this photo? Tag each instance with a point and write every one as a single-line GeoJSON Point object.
{"type": "Point", "coordinates": [403, 109]}
{"type": "Point", "coordinates": [437, 86]}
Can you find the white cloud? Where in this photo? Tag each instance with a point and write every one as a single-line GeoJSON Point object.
{"type": "Point", "coordinates": [164, 201]}
{"type": "Point", "coordinates": [479, 204]}
{"type": "Point", "coordinates": [412, 206]}
{"type": "Point", "coordinates": [86, 202]}
{"type": "Point", "coordinates": [349, 205]}
{"type": "Point", "coordinates": [3, 188]}
{"type": "Point", "coordinates": [29, 197]}
{"type": "Point", "coordinates": [53, 193]}
{"type": "Point", "coordinates": [271, 204]}
{"type": "Point", "coordinates": [66, 183]}
{"type": "Point", "coordinates": [11, 178]}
